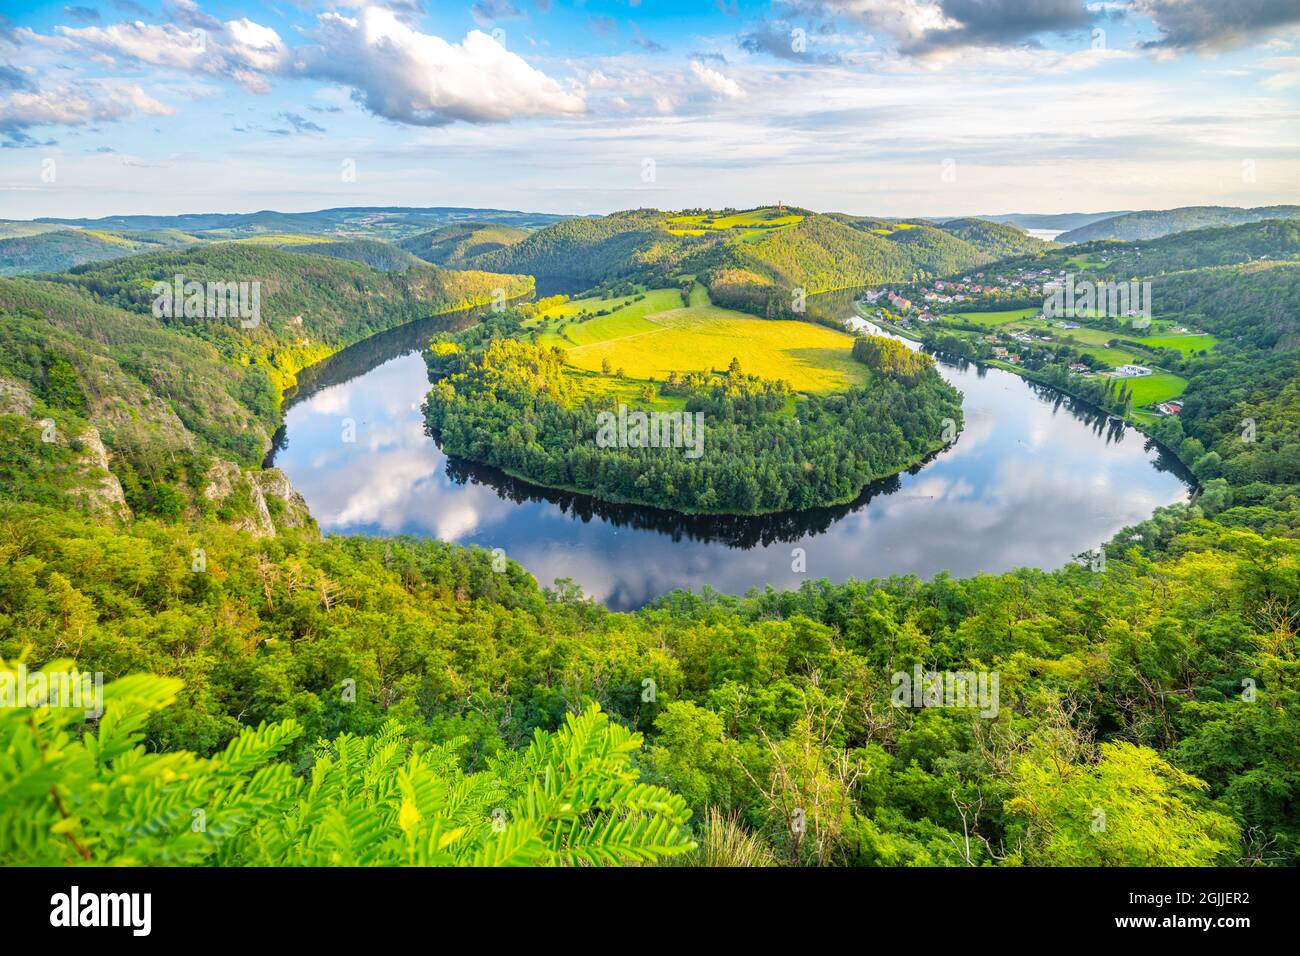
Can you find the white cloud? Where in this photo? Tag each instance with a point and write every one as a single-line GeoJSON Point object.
{"type": "Point", "coordinates": [715, 81]}
{"type": "Point", "coordinates": [902, 19]}
{"type": "Point", "coordinates": [76, 104]}
{"type": "Point", "coordinates": [1285, 72]}
{"type": "Point", "coordinates": [417, 78]}
{"type": "Point", "coordinates": [241, 49]}
{"type": "Point", "coordinates": [395, 70]}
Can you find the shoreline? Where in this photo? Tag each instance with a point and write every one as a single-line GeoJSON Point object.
{"type": "Point", "coordinates": [691, 512]}
{"type": "Point", "coordinates": [1029, 376]}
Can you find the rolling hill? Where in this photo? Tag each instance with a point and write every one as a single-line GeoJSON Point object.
{"type": "Point", "coordinates": [168, 415]}
{"type": "Point", "coordinates": [390, 222]}
{"type": "Point", "coordinates": [453, 246]}
{"type": "Point", "coordinates": [13, 228]}
{"type": "Point", "coordinates": [308, 301]}
{"type": "Point", "coordinates": [585, 250]}
{"type": "Point", "coordinates": [1266, 240]}
{"type": "Point", "coordinates": [1062, 221]}
{"type": "Point", "coordinates": [1154, 223]}
{"type": "Point", "coordinates": [994, 239]}
{"type": "Point", "coordinates": [56, 249]}
{"type": "Point", "coordinates": [382, 256]}
{"type": "Point", "coordinates": [768, 250]}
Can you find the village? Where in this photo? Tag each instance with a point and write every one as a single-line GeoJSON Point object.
{"type": "Point", "coordinates": [938, 294]}
{"type": "Point", "coordinates": [1002, 319]}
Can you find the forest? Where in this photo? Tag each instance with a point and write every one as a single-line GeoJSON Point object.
{"type": "Point", "coordinates": [1161, 691]}
{"type": "Point", "coordinates": [285, 698]}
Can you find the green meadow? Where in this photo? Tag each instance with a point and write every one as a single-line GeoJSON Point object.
{"type": "Point", "coordinates": [651, 338]}
{"type": "Point", "coordinates": [627, 318]}
{"type": "Point", "coordinates": [750, 225]}
{"type": "Point", "coordinates": [1017, 320]}
{"type": "Point", "coordinates": [282, 239]}
{"type": "Point", "coordinates": [1158, 387]}
{"type": "Point", "coordinates": [994, 319]}
{"type": "Point", "coordinates": [1187, 344]}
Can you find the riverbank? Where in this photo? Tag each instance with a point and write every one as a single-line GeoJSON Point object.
{"type": "Point", "coordinates": [916, 462]}
{"type": "Point", "coordinates": [1141, 422]}
{"type": "Point", "coordinates": [1128, 419]}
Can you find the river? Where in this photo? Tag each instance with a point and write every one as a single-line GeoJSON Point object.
{"type": "Point", "coordinates": [1034, 478]}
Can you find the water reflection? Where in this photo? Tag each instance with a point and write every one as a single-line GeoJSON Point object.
{"type": "Point", "coordinates": [1034, 478]}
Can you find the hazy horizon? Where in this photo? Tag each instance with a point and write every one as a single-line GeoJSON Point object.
{"type": "Point", "coordinates": [525, 211]}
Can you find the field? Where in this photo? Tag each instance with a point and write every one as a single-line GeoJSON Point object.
{"type": "Point", "coordinates": [1017, 320]}
{"type": "Point", "coordinates": [655, 336]}
{"type": "Point", "coordinates": [996, 318]}
{"type": "Point", "coordinates": [1147, 390]}
{"type": "Point", "coordinates": [1114, 357]}
{"type": "Point", "coordinates": [283, 239]}
{"type": "Point", "coordinates": [608, 390]}
{"type": "Point", "coordinates": [1159, 387]}
{"type": "Point", "coordinates": [1187, 344]}
{"type": "Point", "coordinates": [751, 224]}
{"type": "Point", "coordinates": [628, 318]}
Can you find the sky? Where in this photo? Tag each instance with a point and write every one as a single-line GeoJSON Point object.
{"type": "Point", "coordinates": [872, 107]}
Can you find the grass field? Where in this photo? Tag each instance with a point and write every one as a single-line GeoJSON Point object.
{"type": "Point", "coordinates": [705, 338]}
{"type": "Point", "coordinates": [1114, 356]}
{"type": "Point", "coordinates": [624, 321]}
{"type": "Point", "coordinates": [1159, 387]}
{"type": "Point", "coordinates": [750, 225]}
{"type": "Point", "coordinates": [609, 390]}
{"type": "Point", "coordinates": [1094, 339]}
{"type": "Point", "coordinates": [283, 239]}
{"type": "Point", "coordinates": [1187, 344]}
{"type": "Point", "coordinates": [110, 238]}
{"type": "Point", "coordinates": [650, 338]}
{"type": "Point", "coordinates": [993, 319]}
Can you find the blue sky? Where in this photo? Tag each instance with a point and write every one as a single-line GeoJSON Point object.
{"type": "Point", "coordinates": [888, 107]}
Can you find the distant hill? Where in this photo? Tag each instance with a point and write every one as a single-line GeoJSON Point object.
{"type": "Point", "coordinates": [992, 238]}
{"type": "Point", "coordinates": [371, 252]}
{"type": "Point", "coordinates": [585, 250]}
{"type": "Point", "coordinates": [11, 228]}
{"type": "Point", "coordinates": [1154, 223]}
{"type": "Point", "coordinates": [1270, 239]}
{"type": "Point", "coordinates": [305, 298]}
{"type": "Point", "coordinates": [57, 249]}
{"type": "Point", "coordinates": [953, 238]}
{"type": "Point", "coordinates": [1273, 240]}
{"type": "Point", "coordinates": [453, 246]}
{"type": "Point", "coordinates": [788, 248]}
{"type": "Point", "coordinates": [55, 245]}
{"type": "Point", "coordinates": [1060, 222]}
{"type": "Point", "coordinates": [381, 222]}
